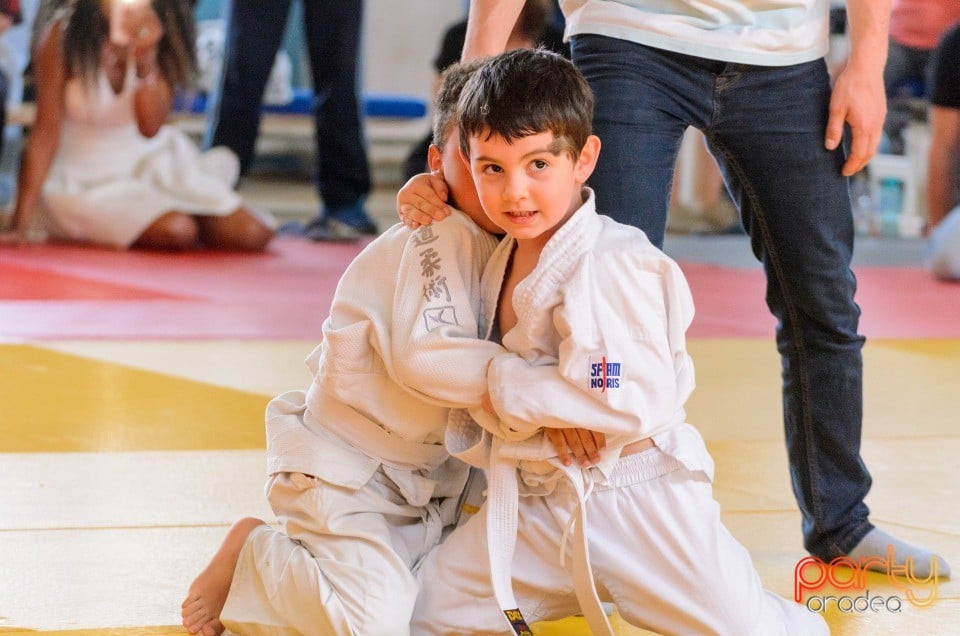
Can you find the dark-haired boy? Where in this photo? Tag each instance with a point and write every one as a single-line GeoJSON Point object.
{"type": "Point", "coordinates": [594, 317]}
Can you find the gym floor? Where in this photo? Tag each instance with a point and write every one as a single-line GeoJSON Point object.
{"type": "Point", "coordinates": [132, 389]}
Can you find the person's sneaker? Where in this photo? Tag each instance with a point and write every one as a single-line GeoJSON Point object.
{"type": "Point", "coordinates": [353, 217]}
{"type": "Point", "coordinates": [292, 228]}
{"type": "Point", "coordinates": [330, 231]}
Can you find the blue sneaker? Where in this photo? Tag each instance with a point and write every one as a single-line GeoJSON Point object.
{"type": "Point", "coordinates": [330, 231]}
{"type": "Point", "coordinates": [292, 228]}
{"type": "Point", "coordinates": [345, 224]}
{"type": "Point", "coordinates": [354, 217]}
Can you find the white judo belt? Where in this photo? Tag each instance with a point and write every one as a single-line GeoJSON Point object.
{"type": "Point", "coordinates": [502, 508]}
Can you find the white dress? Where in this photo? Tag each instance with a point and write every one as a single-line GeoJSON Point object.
{"type": "Point", "coordinates": [108, 183]}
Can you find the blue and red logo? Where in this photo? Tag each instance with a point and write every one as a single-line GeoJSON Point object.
{"type": "Point", "coordinates": [604, 375]}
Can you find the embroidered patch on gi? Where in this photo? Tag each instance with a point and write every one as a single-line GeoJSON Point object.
{"type": "Point", "coordinates": [434, 317]}
{"type": "Point", "coordinates": [604, 374]}
{"type": "Point", "coordinates": [518, 623]}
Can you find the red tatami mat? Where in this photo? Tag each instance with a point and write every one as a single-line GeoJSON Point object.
{"type": "Point", "coordinates": [895, 302]}
{"type": "Point", "coordinates": [284, 293]}
{"type": "Point", "coordinates": [26, 283]}
{"type": "Point", "coordinates": [63, 292]}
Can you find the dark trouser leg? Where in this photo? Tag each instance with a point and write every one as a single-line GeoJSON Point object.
{"type": "Point", "coordinates": [332, 29]}
{"type": "Point", "coordinates": [254, 32]}
{"type": "Point", "coordinates": [767, 135]}
{"type": "Point", "coordinates": [766, 128]}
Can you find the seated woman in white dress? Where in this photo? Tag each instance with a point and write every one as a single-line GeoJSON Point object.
{"type": "Point", "coordinates": [100, 166]}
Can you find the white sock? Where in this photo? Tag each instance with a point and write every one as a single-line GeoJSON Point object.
{"type": "Point", "coordinates": [877, 543]}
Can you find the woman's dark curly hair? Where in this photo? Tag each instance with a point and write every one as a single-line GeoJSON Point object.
{"type": "Point", "coordinates": [86, 29]}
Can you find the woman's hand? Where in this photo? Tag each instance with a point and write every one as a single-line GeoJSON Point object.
{"type": "Point", "coordinates": [134, 24]}
{"type": "Point", "coordinates": [11, 237]}
{"type": "Point", "coordinates": [14, 237]}
{"type": "Point", "coordinates": [143, 27]}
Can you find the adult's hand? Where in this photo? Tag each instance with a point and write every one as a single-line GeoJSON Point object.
{"type": "Point", "coordinates": [858, 99]}
{"type": "Point", "coordinates": [858, 96]}
{"type": "Point", "coordinates": [143, 28]}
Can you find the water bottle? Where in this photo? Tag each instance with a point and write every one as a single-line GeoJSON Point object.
{"type": "Point", "coordinates": [891, 204]}
{"type": "Point", "coordinates": [862, 204]}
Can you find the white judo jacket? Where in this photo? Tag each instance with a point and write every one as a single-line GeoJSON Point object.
{"type": "Point", "coordinates": [599, 344]}
{"type": "Point", "coordinates": [403, 318]}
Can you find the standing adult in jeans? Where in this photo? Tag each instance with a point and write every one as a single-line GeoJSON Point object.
{"type": "Point", "coordinates": [751, 76]}
{"type": "Point", "coordinates": [332, 33]}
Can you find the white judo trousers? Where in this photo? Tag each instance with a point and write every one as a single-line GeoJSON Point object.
{"type": "Point", "coordinates": [359, 480]}
{"type": "Point", "coordinates": [342, 563]}
{"type": "Point", "coordinates": [327, 572]}
{"type": "Point", "coordinates": [658, 550]}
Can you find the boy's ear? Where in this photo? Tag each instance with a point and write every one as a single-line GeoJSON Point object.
{"type": "Point", "coordinates": [464, 158]}
{"type": "Point", "coordinates": [434, 158]}
{"type": "Point", "coordinates": [587, 160]}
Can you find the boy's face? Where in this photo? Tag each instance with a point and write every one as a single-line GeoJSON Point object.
{"type": "Point", "coordinates": [455, 171]}
{"type": "Point", "coordinates": [530, 186]}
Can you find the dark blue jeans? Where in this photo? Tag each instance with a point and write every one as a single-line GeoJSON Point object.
{"type": "Point", "coordinates": [765, 126]}
{"type": "Point", "coordinates": [332, 33]}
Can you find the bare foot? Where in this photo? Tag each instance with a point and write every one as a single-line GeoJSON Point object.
{"type": "Point", "coordinates": [208, 592]}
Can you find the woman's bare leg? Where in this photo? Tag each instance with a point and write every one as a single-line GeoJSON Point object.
{"type": "Point", "coordinates": [174, 232]}
{"type": "Point", "coordinates": [241, 231]}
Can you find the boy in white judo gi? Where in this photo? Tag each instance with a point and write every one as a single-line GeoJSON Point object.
{"type": "Point", "coordinates": [358, 475]}
{"type": "Point", "coordinates": [594, 317]}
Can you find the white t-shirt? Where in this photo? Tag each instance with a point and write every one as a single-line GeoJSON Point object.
{"type": "Point", "coordinates": [760, 32]}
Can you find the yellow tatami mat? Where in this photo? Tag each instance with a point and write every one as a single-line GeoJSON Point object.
{"type": "Point", "coordinates": [123, 464]}
{"type": "Point", "coordinates": [59, 403]}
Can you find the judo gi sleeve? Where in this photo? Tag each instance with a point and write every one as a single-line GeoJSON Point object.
{"type": "Point", "coordinates": [438, 352]}
{"type": "Point", "coordinates": [622, 367]}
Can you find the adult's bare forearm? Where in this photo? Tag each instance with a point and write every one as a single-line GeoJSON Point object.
{"type": "Point", "coordinates": [489, 25]}
{"type": "Point", "coordinates": [869, 22]}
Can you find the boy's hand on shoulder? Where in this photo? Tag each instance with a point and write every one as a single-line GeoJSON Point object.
{"type": "Point", "coordinates": [423, 200]}
{"type": "Point", "coordinates": [583, 444]}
